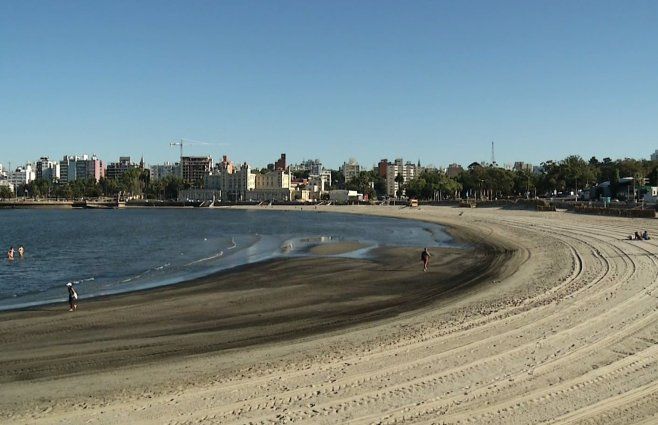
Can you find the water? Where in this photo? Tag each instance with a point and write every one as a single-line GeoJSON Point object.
{"type": "Point", "coordinates": [112, 251]}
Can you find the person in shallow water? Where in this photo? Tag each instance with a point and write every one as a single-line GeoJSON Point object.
{"type": "Point", "coordinates": [10, 253]}
{"type": "Point", "coordinates": [73, 297]}
{"type": "Point", "coordinates": [21, 251]}
{"type": "Point", "coordinates": [425, 258]}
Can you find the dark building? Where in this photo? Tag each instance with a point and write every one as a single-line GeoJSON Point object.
{"type": "Point", "coordinates": [280, 164]}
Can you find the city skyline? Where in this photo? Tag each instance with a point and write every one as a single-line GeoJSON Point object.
{"type": "Point", "coordinates": [435, 81]}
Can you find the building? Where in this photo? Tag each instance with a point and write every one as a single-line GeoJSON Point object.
{"type": "Point", "coordinates": [313, 166]}
{"type": "Point", "coordinates": [21, 176]}
{"type": "Point", "coordinates": [319, 183]}
{"type": "Point", "coordinates": [382, 167]}
{"type": "Point", "coordinates": [194, 169]}
{"type": "Point", "coordinates": [161, 171]}
{"type": "Point", "coordinates": [408, 171]}
{"type": "Point", "coordinates": [81, 167]}
{"type": "Point", "coordinates": [344, 195]}
{"type": "Point", "coordinates": [233, 183]}
{"type": "Point", "coordinates": [522, 166]}
{"type": "Point", "coordinates": [654, 156]}
{"type": "Point", "coordinates": [115, 170]}
{"type": "Point", "coordinates": [272, 186]}
{"type": "Point", "coordinates": [350, 169]}
{"type": "Point", "coordinates": [280, 164]}
{"type": "Point", "coordinates": [454, 170]}
{"type": "Point", "coordinates": [47, 169]}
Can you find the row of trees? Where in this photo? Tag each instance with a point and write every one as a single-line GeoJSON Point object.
{"type": "Point", "coordinates": [572, 174]}
{"type": "Point", "coordinates": [135, 182]}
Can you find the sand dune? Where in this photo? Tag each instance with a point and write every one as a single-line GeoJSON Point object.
{"type": "Point", "coordinates": [565, 331]}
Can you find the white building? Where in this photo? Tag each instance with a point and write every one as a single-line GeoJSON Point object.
{"type": "Point", "coordinates": [320, 183]}
{"type": "Point", "coordinates": [161, 171]}
{"type": "Point", "coordinates": [344, 195]}
{"type": "Point", "coordinates": [350, 169]}
{"type": "Point", "coordinates": [408, 171]}
{"type": "Point", "coordinates": [234, 183]}
{"type": "Point", "coordinates": [47, 169]}
{"type": "Point", "coordinates": [21, 176]}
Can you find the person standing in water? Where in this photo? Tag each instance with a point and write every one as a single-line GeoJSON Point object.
{"type": "Point", "coordinates": [425, 258]}
{"type": "Point", "coordinates": [21, 251]}
{"type": "Point", "coordinates": [73, 297]}
{"type": "Point", "coordinates": [10, 253]}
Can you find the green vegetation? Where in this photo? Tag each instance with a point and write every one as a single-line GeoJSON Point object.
{"type": "Point", "coordinates": [134, 182]}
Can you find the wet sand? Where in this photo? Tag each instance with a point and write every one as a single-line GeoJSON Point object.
{"type": "Point", "coordinates": [553, 319]}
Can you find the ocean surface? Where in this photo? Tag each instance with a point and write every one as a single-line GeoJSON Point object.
{"type": "Point", "coordinates": [111, 251]}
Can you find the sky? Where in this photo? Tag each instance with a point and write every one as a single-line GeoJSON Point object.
{"type": "Point", "coordinates": [431, 80]}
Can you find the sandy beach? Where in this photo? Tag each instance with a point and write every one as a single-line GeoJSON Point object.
{"type": "Point", "coordinates": [549, 318]}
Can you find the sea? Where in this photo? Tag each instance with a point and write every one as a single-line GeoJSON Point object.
{"type": "Point", "coordinates": [118, 250]}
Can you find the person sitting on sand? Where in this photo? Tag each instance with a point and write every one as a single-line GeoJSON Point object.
{"type": "Point", "coordinates": [10, 253]}
{"type": "Point", "coordinates": [73, 297]}
{"type": "Point", "coordinates": [21, 251]}
{"type": "Point", "coordinates": [637, 236]}
{"type": "Point", "coordinates": [645, 236]}
{"type": "Point", "coordinates": [425, 258]}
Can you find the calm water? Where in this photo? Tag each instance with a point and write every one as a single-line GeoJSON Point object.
{"type": "Point", "coordinates": [110, 251]}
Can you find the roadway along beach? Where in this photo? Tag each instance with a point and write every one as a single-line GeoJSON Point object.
{"type": "Point", "coordinates": [554, 318]}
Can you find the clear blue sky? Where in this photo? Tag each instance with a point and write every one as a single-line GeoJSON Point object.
{"type": "Point", "coordinates": [435, 80]}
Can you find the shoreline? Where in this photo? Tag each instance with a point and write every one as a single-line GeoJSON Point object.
{"type": "Point", "coordinates": [562, 330]}
{"type": "Point", "coordinates": [304, 246]}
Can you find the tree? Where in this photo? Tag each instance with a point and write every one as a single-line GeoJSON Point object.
{"type": "Point", "coordinates": [400, 181]}
{"type": "Point", "coordinates": [5, 192]}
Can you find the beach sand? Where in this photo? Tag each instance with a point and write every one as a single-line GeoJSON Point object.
{"type": "Point", "coordinates": [552, 317]}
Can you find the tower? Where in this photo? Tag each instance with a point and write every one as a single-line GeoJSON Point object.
{"type": "Point", "coordinates": [493, 158]}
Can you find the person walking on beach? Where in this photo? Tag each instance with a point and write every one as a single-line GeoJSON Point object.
{"type": "Point", "coordinates": [73, 297]}
{"type": "Point", "coordinates": [21, 251]}
{"type": "Point", "coordinates": [10, 253]}
{"type": "Point", "coordinates": [425, 258]}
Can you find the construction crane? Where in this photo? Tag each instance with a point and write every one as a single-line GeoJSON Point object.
{"type": "Point", "coordinates": [188, 142]}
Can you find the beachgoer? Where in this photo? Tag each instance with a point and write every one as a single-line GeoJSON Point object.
{"type": "Point", "coordinates": [645, 236]}
{"type": "Point", "coordinates": [425, 258]}
{"type": "Point", "coordinates": [21, 251]}
{"type": "Point", "coordinates": [10, 253]}
{"type": "Point", "coordinates": [73, 297]}
{"type": "Point", "coordinates": [637, 236]}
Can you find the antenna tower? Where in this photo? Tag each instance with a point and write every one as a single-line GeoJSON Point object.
{"type": "Point", "coordinates": [493, 158]}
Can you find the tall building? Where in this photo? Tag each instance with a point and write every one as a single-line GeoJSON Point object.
{"type": "Point", "coordinates": [115, 170]}
{"type": "Point", "coordinates": [407, 171]}
{"type": "Point", "coordinates": [195, 168]}
{"type": "Point", "coordinates": [382, 166]}
{"type": "Point", "coordinates": [47, 169]}
{"type": "Point", "coordinates": [160, 171]}
{"type": "Point", "coordinates": [350, 169]}
{"type": "Point", "coordinates": [81, 167]}
{"type": "Point", "coordinates": [654, 156]}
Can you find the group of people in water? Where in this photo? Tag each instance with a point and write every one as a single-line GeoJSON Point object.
{"type": "Point", "coordinates": [643, 237]}
{"type": "Point", "coordinates": [11, 253]}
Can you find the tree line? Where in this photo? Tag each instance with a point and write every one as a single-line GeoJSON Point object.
{"type": "Point", "coordinates": [571, 174]}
